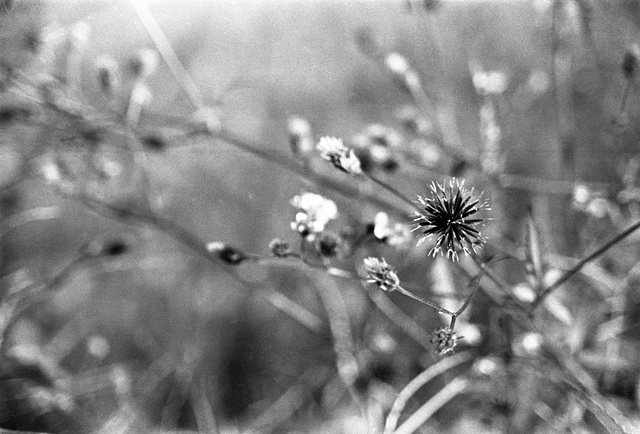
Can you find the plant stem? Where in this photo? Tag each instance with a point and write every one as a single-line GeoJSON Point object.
{"type": "Point", "coordinates": [566, 276]}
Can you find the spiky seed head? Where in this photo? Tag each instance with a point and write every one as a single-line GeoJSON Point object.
{"type": "Point", "coordinates": [444, 340]}
{"type": "Point", "coordinates": [451, 214]}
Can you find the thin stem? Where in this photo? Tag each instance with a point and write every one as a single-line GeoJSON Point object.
{"type": "Point", "coordinates": [417, 383]}
{"type": "Point", "coordinates": [393, 191]}
{"type": "Point", "coordinates": [398, 317]}
{"type": "Point", "coordinates": [168, 54]}
{"type": "Point", "coordinates": [476, 284]}
{"type": "Point", "coordinates": [401, 290]}
{"type": "Point", "coordinates": [576, 268]}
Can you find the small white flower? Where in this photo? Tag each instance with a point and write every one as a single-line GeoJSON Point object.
{"type": "Point", "coordinates": [315, 212]}
{"type": "Point", "coordinates": [332, 149]}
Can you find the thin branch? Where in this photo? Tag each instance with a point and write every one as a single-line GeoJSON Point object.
{"type": "Point", "coordinates": [576, 268]}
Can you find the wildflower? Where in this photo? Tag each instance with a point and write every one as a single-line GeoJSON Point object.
{"type": "Point", "coordinates": [279, 248]}
{"type": "Point", "coordinates": [332, 149]}
{"type": "Point", "coordinates": [447, 215]}
{"type": "Point", "coordinates": [315, 213]}
{"type": "Point", "coordinates": [444, 340]}
{"type": "Point", "coordinates": [381, 273]}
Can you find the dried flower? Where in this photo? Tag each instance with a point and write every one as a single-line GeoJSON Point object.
{"type": "Point", "coordinates": [444, 340]}
{"type": "Point", "coordinates": [332, 149]}
{"type": "Point", "coordinates": [381, 273]}
{"type": "Point", "coordinates": [447, 215]}
{"type": "Point", "coordinates": [316, 212]}
{"type": "Point", "coordinates": [279, 248]}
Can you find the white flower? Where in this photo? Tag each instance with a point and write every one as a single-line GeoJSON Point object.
{"type": "Point", "coordinates": [332, 149]}
{"type": "Point", "coordinates": [315, 212]}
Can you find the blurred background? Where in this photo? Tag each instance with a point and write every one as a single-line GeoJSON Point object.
{"type": "Point", "coordinates": [111, 323]}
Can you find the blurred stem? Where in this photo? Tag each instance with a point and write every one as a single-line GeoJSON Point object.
{"type": "Point", "coordinates": [168, 54]}
{"type": "Point", "coordinates": [398, 317]}
{"type": "Point", "coordinates": [576, 268]}
{"type": "Point", "coordinates": [343, 345]}
{"type": "Point", "coordinates": [132, 117]}
{"type": "Point", "coordinates": [14, 304]}
{"type": "Point", "coordinates": [437, 401]}
{"type": "Point", "coordinates": [393, 191]}
{"type": "Point", "coordinates": [417, 383]}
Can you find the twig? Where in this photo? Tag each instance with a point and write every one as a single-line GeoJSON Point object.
{"type": "Point", "coordinates": [576, 268]}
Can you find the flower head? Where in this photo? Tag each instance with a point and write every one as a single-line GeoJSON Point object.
{"type": "Point", "coordinates": [315, 213]}
{"type": "Point", "coordinates": [381, 273]}
{"type": "Point", "coordinates": [448, 214]}
{"type": "Point", "coordinates": [332, 149]}
{"type": "Point", "coordinates": [444, 340]}
{"type": "Point", "coordinates": [279, 248]}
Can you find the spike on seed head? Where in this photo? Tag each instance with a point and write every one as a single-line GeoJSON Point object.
{"type": "Point", "coordinates": [450, 215]}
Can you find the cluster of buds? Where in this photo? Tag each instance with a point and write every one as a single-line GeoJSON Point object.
{"type": "Point", "coordinates": [315, 212]}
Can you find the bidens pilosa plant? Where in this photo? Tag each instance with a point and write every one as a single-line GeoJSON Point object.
{"type": "Point", "coordinates": [422, 239]}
